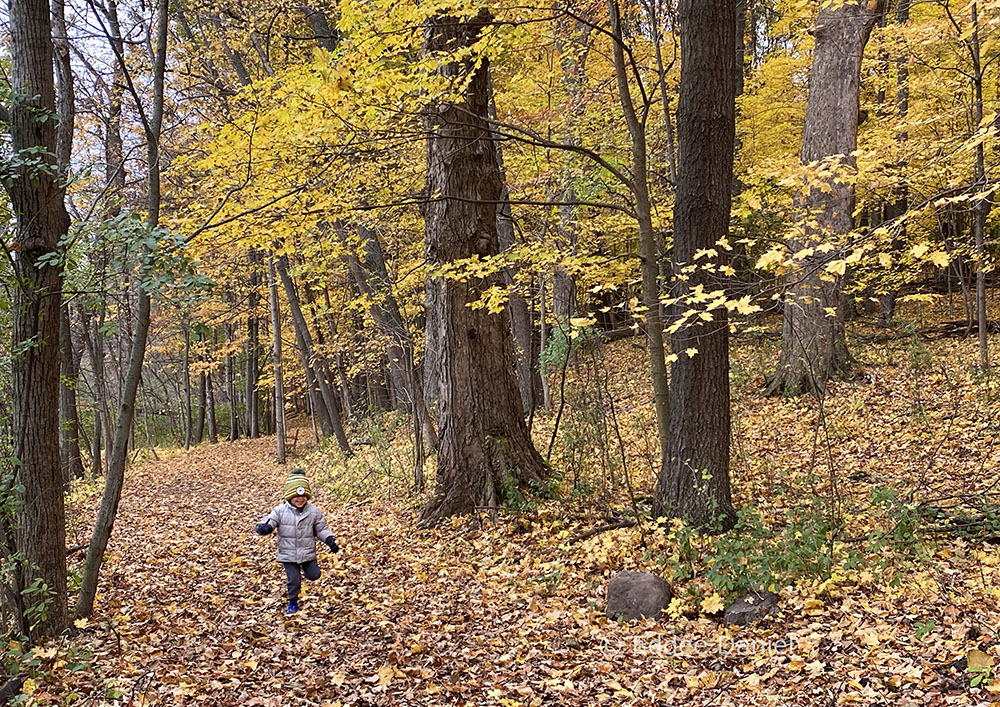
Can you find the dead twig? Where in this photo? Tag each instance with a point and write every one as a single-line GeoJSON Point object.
{"type": "Point", "coordinates": [580, 537]}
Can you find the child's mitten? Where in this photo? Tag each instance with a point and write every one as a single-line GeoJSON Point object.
{"type": "Point", "coordinates": [332, 544]}
{"type": "Point", "coordinates": [264, 528]}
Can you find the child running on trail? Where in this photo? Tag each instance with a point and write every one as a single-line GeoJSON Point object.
{"type": "Point", "coordinates": [299, 524]}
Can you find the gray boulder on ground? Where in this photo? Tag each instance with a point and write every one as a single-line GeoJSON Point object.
{"type": "Point", "coordinates": [750, 608]}
{"type": "Point", "coordinates": [637, 595]}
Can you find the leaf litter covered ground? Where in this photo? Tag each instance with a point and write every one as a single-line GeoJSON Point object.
{"type": "Point", "coordinates": [190, 610]}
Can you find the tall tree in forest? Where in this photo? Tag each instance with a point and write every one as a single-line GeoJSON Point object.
{"type": "Point", "coordinates": [897, 207]}
{"type": "Point", "coordinates": [372, 280]}
{"type": "Point", "coordinates": [69, 420]}
{"type": "Point", "coordinates": [636, 123]}
{"type": "Point", "coordinates": [279, 381]}
{"type": "Point", "coordinates": [152, 123]}
{"type": "Point", "coordinates": [813, 342]}
{"type": "Point", "coordinates": [484, 443]}
{"type": "Point", "coordinates": [36, 192]}
{"type": "Point", "coordinates": [694, 478]}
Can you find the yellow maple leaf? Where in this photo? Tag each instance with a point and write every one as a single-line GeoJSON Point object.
{"type": "Point", "coordinates": [837, 267]}
{"type": "Point", "coordinates": [713, 604]}
{"type": "Point", "coordinates": [939, 258]}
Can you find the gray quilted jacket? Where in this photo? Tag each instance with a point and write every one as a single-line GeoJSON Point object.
{"type": "Point", "coordinates": [298, 531]}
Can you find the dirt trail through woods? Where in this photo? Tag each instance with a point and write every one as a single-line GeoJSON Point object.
{"type": "Point", "coordinates": [196, 600]}
{"type": "Point", "coordinates": [191, 605]}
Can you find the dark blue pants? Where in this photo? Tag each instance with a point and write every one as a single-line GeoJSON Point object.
{"type": "Point", "coordinates": [294, 572]}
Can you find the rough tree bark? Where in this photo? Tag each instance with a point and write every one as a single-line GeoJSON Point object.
{"type": "Point", "coordinates": [694, 478]}
{"type": "Point", "coordinates": [36, 194]}
{"type": "Point", "coordinates": [813, 341]}
{"type": "Point", "coordinates": [484, 447]}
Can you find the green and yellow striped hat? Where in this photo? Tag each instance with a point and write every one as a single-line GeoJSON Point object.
{"type": "Point", "coordinates": [297, 485]}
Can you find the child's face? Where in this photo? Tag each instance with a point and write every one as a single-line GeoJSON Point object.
{"type": "Point", "coordinates": [298, 501]}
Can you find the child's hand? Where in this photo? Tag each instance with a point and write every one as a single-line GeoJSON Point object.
{"type": "Point", "coordinates": [264, 529]}
{"type": "Point", "coordinates": [332, 544]}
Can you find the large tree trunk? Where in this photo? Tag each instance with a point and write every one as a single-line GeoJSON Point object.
{"type": "Point", "coordinates": [36, 195]}
{"type": "Point", "coordinates": [485, 449]}
{"type": "Point", "coordinates": [694, 479]}
{"type": "Point", "coordinates": [813, 341]}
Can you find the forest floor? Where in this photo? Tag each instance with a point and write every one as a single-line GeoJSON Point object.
{"type": "Point", "coordinates": [893, 609]}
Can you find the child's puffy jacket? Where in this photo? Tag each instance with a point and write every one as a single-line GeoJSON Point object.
{"type": "Point", "coordinates": [298, 531]}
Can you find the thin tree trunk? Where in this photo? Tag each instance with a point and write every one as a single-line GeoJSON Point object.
{"type": "Point", "coordinates": [896, 209]}
{"type": "Point", "coordinates": [314, 368]}
{"type": "Point", "coordinates": [517, 305]}
{"type": "Point", "coordinates": [69, 428]}
{"type": "Point", "coordinates": [279, 385]}
{"type": "Point", "coordinates": [252, 422]}
{"type": "Point", "coordinates": [187, 388]}
{"type": "Point", "coordinates": [199, 423]}
{"type": "Point", "coordinates": [661, 80]}
{"type": "Point", "coordinates": [647, 238]}
{"type": "Point", "coordinates": [982, 206]}
{"type": "Point", "coordinates": [234, 413]}
{"type": "Point", "coordinates": [116, 464]}
{"type": "Point", "coordinates": [213, 430]}
{"type": "Point", "coordinates": [96, 463]}
{"type": "Point", "coordinates": [372, 279]}
{"type": "Point", "coordinates": [543, 340]}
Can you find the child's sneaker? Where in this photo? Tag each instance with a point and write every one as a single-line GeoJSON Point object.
{"type": "Point", "coordinates": [292, 608]}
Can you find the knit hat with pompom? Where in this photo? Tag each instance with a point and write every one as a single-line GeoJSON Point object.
{"type": "Point", "coordinates": [297, 485]}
